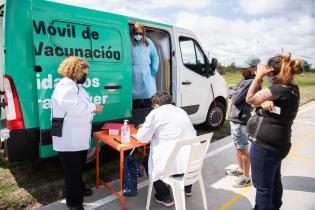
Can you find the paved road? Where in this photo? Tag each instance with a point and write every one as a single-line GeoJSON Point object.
{"type": "Point", "coordinates": [298, 173]}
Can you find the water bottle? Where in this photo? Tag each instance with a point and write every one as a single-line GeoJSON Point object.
{"type": "Point", "coordinates": [125, 133]}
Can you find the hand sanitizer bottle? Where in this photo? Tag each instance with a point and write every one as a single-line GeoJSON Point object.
{"type": "Point", "coordinates": [125, 133]}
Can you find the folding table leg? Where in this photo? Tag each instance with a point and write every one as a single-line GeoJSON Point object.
{"type": "Point", "coordinates": [122, 197]}
{"type": "Point", "coordinates": [97, 164]}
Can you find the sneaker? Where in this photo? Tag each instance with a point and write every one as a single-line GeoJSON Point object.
{"type": "Point", "coordinates": [234, 172]}
{"type": "Point", "coordinates": [87, 192]}
{"type": "Point", "coordinates": [242, 181]}
{"type": "Point", "coordinates": [168, 202]}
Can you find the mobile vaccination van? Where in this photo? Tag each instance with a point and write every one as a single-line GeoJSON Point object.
{"type": "Point", "coordinates": [37, 35]}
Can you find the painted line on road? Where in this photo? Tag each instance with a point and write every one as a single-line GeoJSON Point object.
{"type": "Point", "coordinates": [306, 122]}
{"type": "Point", "coordinates": [110, 198]}
{"type": "Point", "coordinates": [143, 184]}
{"type": "Point", "coordinates": [291, 154]}
{"type": "Point", "coordinates": [306, 109]}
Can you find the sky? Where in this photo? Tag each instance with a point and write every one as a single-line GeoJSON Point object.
{"type": "Point", "coordinates": [229, 30]}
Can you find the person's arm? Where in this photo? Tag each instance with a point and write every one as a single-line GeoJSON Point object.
{"type": "Point", "coordinates": [255, 96]}
{"type": "Point", "coordinates": [154, 58]}
{"type": "Point", "coordinates": [67, 98]}
{"type": "Point", "coordinates": [148, 129]}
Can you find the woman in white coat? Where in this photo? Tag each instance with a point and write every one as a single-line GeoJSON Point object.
{"type": "Point", "coordinates": [71, 102]}
{"type": "Point", "coordinates": [163, 127]}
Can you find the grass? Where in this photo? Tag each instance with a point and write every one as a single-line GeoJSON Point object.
{"type": "Point", "coordinates": [33, 184]}
{"type": "Point", "coordinates": [305, 81]}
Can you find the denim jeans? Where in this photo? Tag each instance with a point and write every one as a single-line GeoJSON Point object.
{"type": "Point", "coordinates": [266, 176]}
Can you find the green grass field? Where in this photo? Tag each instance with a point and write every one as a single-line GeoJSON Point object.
{"type": "Point", "coordinates": [33, 184]}
{"type": "Point", "coordinates": [305, 81]}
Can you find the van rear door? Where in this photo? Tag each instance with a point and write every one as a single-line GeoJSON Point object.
{"type": "Point", "coordinates": [100, 38]}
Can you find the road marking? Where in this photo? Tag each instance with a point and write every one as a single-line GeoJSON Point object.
{"type": "Point", "coordinates": [306, 122]}
{"type": "Point", "coordinates": [304, 159]}
{"type": "Point", "coordinates": [306, 109]}
{"type": "Point", "coordinates": [110, 198]}
{"type": "Point", "coordinates": [143, 184]}
{"type": "Point", "coordinates": [235, 198]}
{"type": "Point", "coordinates": [301, 143]}
{"type": "Point", "coordinates": [291, 154]}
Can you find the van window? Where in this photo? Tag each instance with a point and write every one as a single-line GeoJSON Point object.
{"type": "Point", "coordinates": [192, 56]}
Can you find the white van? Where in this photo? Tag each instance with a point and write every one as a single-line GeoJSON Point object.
{"type": "Point", "coordinates": [39, 34]}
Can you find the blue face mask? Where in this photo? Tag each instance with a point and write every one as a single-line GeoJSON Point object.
{"type": "Point", "coordinates": [138, 37]}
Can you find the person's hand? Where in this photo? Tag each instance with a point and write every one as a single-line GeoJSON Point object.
{"type": "Point", "coordinates": [98, 108]}
{"type": "Point", "coordinates": [268, 105]}
{"type": "Point", "coordinates": [262, 70]}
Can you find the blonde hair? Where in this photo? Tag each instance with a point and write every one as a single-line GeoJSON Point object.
{"type": "Point", "coordinates": [285, 68]}
{"type": "Point", "coordinates": [137, 26]}
{"type": "Point", "coordinates": [72, 67]}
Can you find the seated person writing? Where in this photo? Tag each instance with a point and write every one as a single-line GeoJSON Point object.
{"type": "Point", "coordinates": [163, 127]}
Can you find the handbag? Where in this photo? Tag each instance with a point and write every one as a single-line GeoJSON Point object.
{"type": "Point", "coordinates": [132, 171]}
{"type": "Point", "coordinates": [254, 123]}
{"type": "Point", "coordinates": [56, 125]}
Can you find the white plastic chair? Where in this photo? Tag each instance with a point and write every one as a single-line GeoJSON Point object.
{"type": "Point", "coordinates": [199, 147]}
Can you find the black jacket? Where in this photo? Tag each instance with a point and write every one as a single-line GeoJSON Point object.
{"type": "Point", "coordinates": [240, 110]}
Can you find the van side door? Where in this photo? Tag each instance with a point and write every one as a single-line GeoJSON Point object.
{"type": "Point", "coordinates": [193, 84]}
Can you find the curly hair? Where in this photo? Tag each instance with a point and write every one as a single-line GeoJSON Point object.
{"type": "Point", "coordinates": [285, 67]}
{"type": "Point", "coordinates": [72, 67]}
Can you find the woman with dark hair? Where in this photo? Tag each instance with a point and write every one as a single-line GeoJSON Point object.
{"type": "Point", "coordinates": [270, 129]}
{"type": "Point", "coordinates": [145, 64]}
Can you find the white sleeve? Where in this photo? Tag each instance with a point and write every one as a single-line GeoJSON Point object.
{"type": "Point", "coordinates": [67, 98]}
{"type": "Point", "coordinates": [148, 129]}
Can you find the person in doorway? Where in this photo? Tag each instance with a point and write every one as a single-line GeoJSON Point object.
{"type": "Point", "coordinates": [145, 64]}
{"type": "Point", "coordinates": [163, 127]}
{"type": "Point", "coordinates": [239, 115]}
{"type": "Point", "coordinates": [71, 102]}
{"type": "Point", "coordinates": [271, 141]}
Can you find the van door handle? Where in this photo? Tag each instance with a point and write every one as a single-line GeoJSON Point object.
{"type": "Point", "coordinates": [186, 83]}
{"type": "Point", "coordinates": [112, 87]}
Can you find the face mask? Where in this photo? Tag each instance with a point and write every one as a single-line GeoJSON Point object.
{"type": "Point", "coordinates": [138, 37]}
{"type": "Point", "coordinates": [82, 79]}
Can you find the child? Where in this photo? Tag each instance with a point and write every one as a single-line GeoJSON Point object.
{"type": "Point", "coordinates": [239, 114]}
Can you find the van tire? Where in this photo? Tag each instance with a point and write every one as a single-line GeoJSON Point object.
{"type": "Point", "coordinates": [215, 116]}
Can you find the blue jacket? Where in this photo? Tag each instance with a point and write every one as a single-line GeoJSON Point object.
{"type": "Point", "coordinates": [145, 64]}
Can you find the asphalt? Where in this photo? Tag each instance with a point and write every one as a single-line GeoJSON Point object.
{"type": "Point", "coordinates": [298, 177]}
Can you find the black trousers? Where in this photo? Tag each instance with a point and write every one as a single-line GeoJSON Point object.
{"type": "Point", "coordinates": [141, 103]}
{"type": "Point", "coordinates": [73, 164]}
{"type": "Point", "coordinates": [162, 191]}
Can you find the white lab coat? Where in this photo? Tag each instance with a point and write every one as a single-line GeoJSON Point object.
{"type": "Point", "coordinates": [163, 127]}
{"type": "Point", "coordinates": [72, 99]}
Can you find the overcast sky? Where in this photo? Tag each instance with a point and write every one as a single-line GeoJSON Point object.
{"type": "Point", "coordinates": [230, 30]}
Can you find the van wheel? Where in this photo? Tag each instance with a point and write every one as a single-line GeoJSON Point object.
{"type": "Point", "coordinates": [216, 116]}
{"type": "Point", "coordinates": [91, 156]}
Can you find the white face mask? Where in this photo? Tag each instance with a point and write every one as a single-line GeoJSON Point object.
{"type": "Point", "coordinates": [138, 37]}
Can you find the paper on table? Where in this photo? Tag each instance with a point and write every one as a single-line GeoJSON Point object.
{"type": "Point", "coordinates": [134, 136]}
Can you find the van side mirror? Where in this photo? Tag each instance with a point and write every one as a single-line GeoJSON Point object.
{"type": "Point", "coordinates": [210, 67]}
{"type": "Point", "coordinates": [214, 64]}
